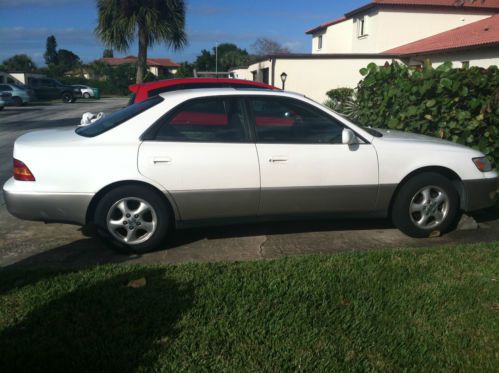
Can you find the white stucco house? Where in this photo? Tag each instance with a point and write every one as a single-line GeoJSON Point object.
{"type": "Point", "coordinates": [409, 31]}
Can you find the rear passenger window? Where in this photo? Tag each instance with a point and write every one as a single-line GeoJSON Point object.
{"type": "Point", "coordinates": [206, 120]}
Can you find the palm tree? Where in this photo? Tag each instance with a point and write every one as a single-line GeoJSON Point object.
{"type": "Point", "coordinates": [152, 21]}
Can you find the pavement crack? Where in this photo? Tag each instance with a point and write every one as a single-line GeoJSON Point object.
{"type": "Point", "coordinates": [260, 248]}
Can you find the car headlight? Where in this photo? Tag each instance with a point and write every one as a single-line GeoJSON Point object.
{"type": "Point", "coordinates": [483, 164]}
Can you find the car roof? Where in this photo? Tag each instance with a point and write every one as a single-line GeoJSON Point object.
{"type": "Point", "coordinates": [172, 82]}
{"type": "Point", "coordinates": [206, 92]}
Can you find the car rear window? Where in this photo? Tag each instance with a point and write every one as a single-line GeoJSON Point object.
{"type": "Point", "coordinates": [115, 119]}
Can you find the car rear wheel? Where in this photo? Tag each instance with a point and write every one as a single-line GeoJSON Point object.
{"type": "Point", "coordinates": [67, 97]}
{"type": "Point", "coordinates": [133, 219]}
{"type": "Point", "coordinates": [18, 101]}
{"type": "Point", "coordinates": [426, 205]}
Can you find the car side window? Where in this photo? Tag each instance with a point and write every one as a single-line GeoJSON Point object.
{"type": "Point", "coordinates": [47, 83]}
{"type": "Point", "coordinates": [289, 121]}
{"type": "Point", "coordinates": [209, 119]}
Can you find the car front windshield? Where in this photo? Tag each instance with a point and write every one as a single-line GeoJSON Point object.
{"type": "Point", "coordinates": [118, 117]}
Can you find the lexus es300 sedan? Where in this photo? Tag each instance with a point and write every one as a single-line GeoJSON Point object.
{"type": "Point", "coordinates": [222, 155]}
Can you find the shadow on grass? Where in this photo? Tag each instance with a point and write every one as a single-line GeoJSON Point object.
{"type": "Point", "coordinates": [104, 326]}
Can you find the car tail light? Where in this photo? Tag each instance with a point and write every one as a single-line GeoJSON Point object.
{"type": "Point", "coordinates": [22, 172]}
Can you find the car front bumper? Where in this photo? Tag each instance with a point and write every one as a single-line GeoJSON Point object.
{"type": "Point", "coordinates": [47, 207]}
{"type": "Point", "coordinates": [479, 194]}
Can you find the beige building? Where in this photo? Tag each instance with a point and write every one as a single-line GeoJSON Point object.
{"type": "Point", "coordinates": [410, 31]}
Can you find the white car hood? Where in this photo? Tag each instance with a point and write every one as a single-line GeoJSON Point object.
{"type": "Point", "coordinates": [400, 136]}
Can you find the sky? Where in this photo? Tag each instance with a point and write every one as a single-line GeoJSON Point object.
{"type": "Point", "coordinates": [26, 24]}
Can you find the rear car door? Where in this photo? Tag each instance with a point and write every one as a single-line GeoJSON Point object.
{"type": "Point", "coordinates": [304, 166]}
{"type": "Point", "coordinates": [202, 155]}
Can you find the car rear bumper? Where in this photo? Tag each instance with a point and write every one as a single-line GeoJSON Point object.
{"type": "Point", "coordinates": [47, 207]}
{"type": "Point", "coordinates": [479, 194]}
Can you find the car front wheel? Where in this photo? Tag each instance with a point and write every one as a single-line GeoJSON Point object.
{"type": "Point", "coordinates": [426, 205]}
{"type": "Point", "coordinates": [132, 218]}
{"type": "Point", "coordinates": [67, 97]}
{"type": "Point", "coordinates": [86, 95]}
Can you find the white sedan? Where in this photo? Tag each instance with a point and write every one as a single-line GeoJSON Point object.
{"type": "Point", "coordinates": [225, 155]}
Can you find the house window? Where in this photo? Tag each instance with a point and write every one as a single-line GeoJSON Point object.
{"type": "Point", "coordinates": [362, 31]}
{"type": "Point", "coordinates": [320, 42]}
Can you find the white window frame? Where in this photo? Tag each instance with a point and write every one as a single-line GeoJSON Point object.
{"type": "Point", "coordinates": [320, 42]}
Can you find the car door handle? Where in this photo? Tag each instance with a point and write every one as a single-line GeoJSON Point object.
{"type": "Point", "coordinates": [278, 159]}
{"type": "Point", "coordinates": [161, 160]}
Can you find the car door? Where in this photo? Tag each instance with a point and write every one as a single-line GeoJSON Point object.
{"type": "Point", "coordinates": [202, 155]}
{"type": "Point", "coordinates": [304, 166]}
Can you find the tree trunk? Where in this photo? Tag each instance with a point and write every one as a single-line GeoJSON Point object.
{"type": "Point", "coordinates": [142, 58]}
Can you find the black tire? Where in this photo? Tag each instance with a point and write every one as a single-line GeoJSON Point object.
{"type": "Point", "coordinates": [18, 101]}
{"type": "Point", "coordinates": [73, 100]}
{"type": "Point", "coordinates": [67, 97]}
{"type": "Point", "coordinates": [150, 196]}
{"type": "Point", "coordinates": [409, 194]}
{"type": "Point", "coordinates": [86, 95]}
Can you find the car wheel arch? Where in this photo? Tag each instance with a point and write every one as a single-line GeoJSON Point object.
{"type": "Point", "coordinates": [444, 171]}
{"type": "Point", "coordinates": [101, 193]}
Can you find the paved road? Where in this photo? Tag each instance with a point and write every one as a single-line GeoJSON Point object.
{"type": "Point", "coordinates": [31, 244]}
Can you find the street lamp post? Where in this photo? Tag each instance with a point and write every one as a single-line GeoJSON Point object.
{"type": "Point", "coordinates": [284, 76]}
{"type": "Point", "coordinates": [216, 59]}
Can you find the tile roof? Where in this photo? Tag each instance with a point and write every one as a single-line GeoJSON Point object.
{"type": "Point", "coordinates": [480, 33]}
{"type": "Point", "coordinates": [163, 62]}
{"type": "Point", "coordinates": [478, 5]}
{"type": "Point", "coordinates": [326, 25]}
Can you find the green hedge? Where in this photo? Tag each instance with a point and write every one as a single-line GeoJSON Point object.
{"type": "Point", "coordinates": [460, 105]}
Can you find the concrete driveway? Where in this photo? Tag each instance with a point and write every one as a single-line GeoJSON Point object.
{"type": "Point", "coordinates": [30, 244]}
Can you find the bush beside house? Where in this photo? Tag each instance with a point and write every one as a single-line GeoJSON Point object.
{"type": "Point", "coordinates": [460, 105]}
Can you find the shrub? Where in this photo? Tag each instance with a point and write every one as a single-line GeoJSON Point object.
{"type": "Point", "coordinates": [460, 105]}
{"type": "Point", "coordinates": [343, 100]}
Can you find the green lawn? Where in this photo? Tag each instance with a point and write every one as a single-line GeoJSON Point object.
{"type": "Point", "coordinates": [417, 310]}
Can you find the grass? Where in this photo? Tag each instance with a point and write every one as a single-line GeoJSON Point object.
{"type": "Point", "coordinates": [417, 310]}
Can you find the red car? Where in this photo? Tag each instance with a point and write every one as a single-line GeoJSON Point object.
{"type": "Point", "coordinates": [141, 92]}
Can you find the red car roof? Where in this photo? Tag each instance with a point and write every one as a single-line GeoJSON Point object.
{"type": "Point", "coordinates": [171, 82]}
{"type": "Point", "coordinates": [142, 91]}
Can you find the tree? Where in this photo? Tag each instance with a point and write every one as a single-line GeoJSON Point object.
{"type": "Point", "coordinates": [153, 21]}
{"type": "Point", "coordinates": [50, 55]}
{"type": "Point", "coordinates": [108, 53]}
{"type": "Point", "coordinates": [266, 46]}
{"type": "Point", "coordinates": [19, 63]}
{"type": "Point", "coordinates": [67, 59]}
{"type": "Point", "coordinates": [229, 56]}
{"type": "Point", "coordinates": [186, 70]}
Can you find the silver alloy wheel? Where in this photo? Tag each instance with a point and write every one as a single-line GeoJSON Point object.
{"type": "Point", "coordinates": [429, 207]}
{"type": "Point", "coordinates": [132, 220]}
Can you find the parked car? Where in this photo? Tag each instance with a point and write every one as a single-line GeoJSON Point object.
{"type": "Point", "coordinates": [4, 99]}
{"type": "Point", "coordinates": [86, 91]}
{"type": "Point", "coordinates": [211, 156]}
{"type": "Point", "coordinates": [143, 91]}
{"type": "Point", "coordinates": [50, 89]}
{"type": "Point", "coordinates": [19, 95]}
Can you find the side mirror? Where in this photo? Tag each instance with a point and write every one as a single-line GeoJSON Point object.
{"type": "Point", "coordinates": [348, 137]}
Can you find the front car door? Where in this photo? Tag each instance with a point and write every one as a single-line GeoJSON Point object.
{"type": "Point", "coordinates": [304, 166]}
{"type": "Point", "coordinates": [203, 156]}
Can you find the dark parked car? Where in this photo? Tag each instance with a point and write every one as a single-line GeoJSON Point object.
{"type": "Point", "coordinates": [49, 89]}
